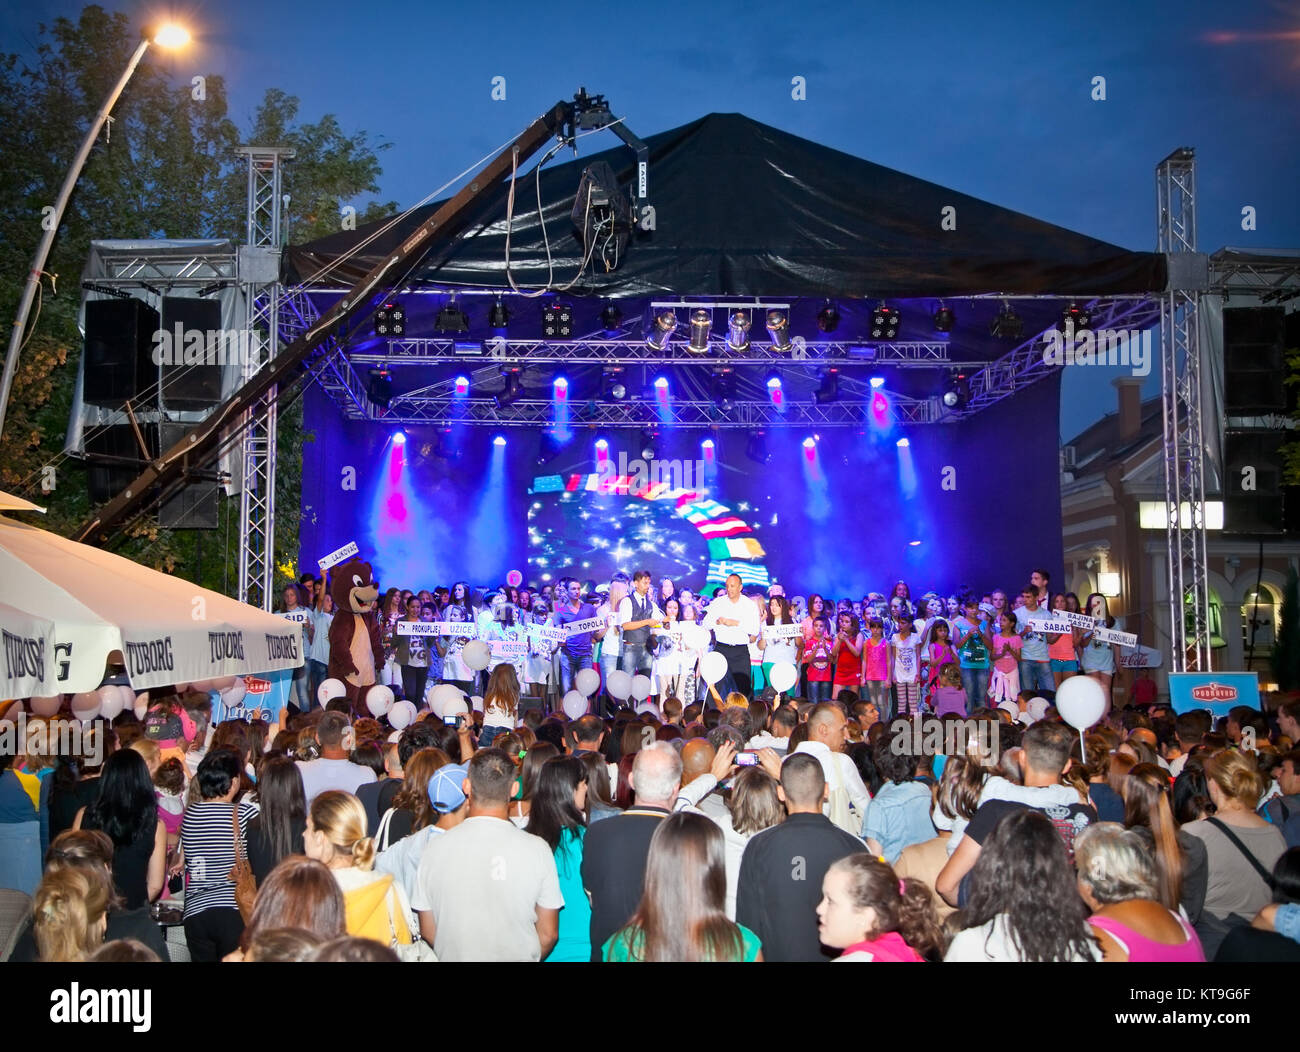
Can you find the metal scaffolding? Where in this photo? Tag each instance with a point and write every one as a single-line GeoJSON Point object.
{"type": "Point", "coordinates": [257, 491]}
{"type": "Point", "coordinates": [1180, 392]}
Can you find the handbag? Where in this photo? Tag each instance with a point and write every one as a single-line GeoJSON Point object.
{"type": "Point", "coordinates": [242, 873]}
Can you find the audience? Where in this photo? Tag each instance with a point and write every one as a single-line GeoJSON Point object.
{"type": "Point", "coordinates": [333, 769]}
{"type": "Point", "coordinates": [870, 914]}
{"type": "Point", "coordinates": [557, 816]}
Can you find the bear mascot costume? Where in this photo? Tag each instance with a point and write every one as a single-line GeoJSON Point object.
{"type": "Point", "coordinates": [355, 652]}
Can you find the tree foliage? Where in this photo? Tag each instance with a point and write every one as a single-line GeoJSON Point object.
{"type": "Point", "coordinates": [1285, 658]}
{"type": "Point", "coordinates": [166, 167]}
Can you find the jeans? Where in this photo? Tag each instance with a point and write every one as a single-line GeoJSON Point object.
{"type": "Point", "coordinates": [976, 683]}
{"type": "Point", "coordinates": [819, 690]}
{"type": "Point", "coordinates": [570, 666]}
{"type": "Point", "coordinates": [1036, 675]}
{"type": "Point", "coordinates": [299, 696]}
{"type": "Point", "coordinates": [317, 673]}
{"type": "Point", "coordinates": [877, 692]}
{"type": "Point", "coordinates": [636, 659]}
{"type": "Point", "coordinates": [414, 679]}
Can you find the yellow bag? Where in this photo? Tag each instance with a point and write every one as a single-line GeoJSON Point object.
{"type": "Point", "coordinates": [372, 912]}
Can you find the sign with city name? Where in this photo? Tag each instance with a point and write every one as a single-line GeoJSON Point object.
{"type": "Point", "coordinates": [577, 628]}
{"type": "Point", "coordinates": [336, 557]}
{"type": "Point", "coordinates": [509, 648]}
{"type": "Point", "coordinates": [774, 633]}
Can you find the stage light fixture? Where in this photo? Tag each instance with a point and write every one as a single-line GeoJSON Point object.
{"type": "Point", "coordinates": [614, 385]}
{"type": "Point", "coordinates": [602, 445]}
{"type": "Point", "coordinates": [914, 544]}
{"type": "Point", "coordinates": [661, 383]}
{"type": "Point", "coordinates": [451, 319]}
{"type": "Point", "coordinates": [662, 329]}
{"type": "Point", "coordinates": [1075, 316]}
{"type": "Point", "coordinates": [380, 388]}
{"type": "Point", "coordinates": [707, 444]}
{"type": "Point", "coordinates": [390, 320]}
{"type": "Point", "coordinates": [903, 443]}
{"type": "Point", "coordinates": [557, 321]}
{"type": "Point", "coordinates": [399, 437]}
{"type": "Point", "coordinates": [724, 387]}
{"type": "Point", "coordinates": [701, 323]}
{"type": "Point", "coordinates": [738, 330]}
{"type": "Point", "coordinates": [611, 318]}
{"type": "Point", "coordinates": [461, 385]}
{"type": "Point", "coordinates": [944, 319]}
{"type": "Point", "coordinates": [877, 382]}
{"type": "Point", "coordinates": [1008, 325]}
{"type": "Point", "coordinates": [828, 318]}
{"type": "Point", "coordinates": [560, 387]}
{"type": "Point", "coordinates": [809, 443]}
{"type": "Point", "coordinates": [884, 322]}
{"type": "Point", "coordinates": [649, 443]}
{"type": "Point", "coordinates": [513, 389]}
{"type": "Point", "coordinates": [756, 448]}
{"type": "Point", "coordinates": [500, 440]}
{"type": "Point", "coordinates": [778, 329]}
{"type": "Point", "coordinates": [828, 390]}
{"type": "Point", "coordinates": [956, 392]}
{"type": "Point", "coordinates": [774, 381]}
{"type": "Point", "coordinates": [498, 316]}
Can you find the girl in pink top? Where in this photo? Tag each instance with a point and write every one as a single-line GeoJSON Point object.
{"type": "Point", "coordinates": [871, 915]}
{"type": "Point", "coordinates": [1004, 683]}
{"type": "Point", "coordinates": [936, 653]}
{"type": "Point", "coordinates": [875, 663]}
{"type": "Point", "coordinates": [1141, 949]}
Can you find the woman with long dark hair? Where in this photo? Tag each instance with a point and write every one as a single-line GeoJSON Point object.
{"type": "Point", "coordinates": [1097, 658]}
{"type": "Point", "coordinates": [277, 831]}
{"type": "Point", "coordinates": [535, 758]}
{"type": "Point", "coordinates": [1180, 859]}
{"type": "Point", "coordinates": [1024, 905]}
{"type": "Point", "coordinates": [682, 915]}
{"type": "Point", "coordinates": [412, 809]}
{"type": "Point", "coordinates": [600, 793]}
{"type": "Point", "coordinates": [558, 806]}
{"type": "Point", "coordinates": [127, 810]}
{"type": "Point", "coordinates": [777, 612]}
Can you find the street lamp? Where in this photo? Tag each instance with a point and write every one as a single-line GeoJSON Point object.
{"type": "Point", "coordinates": [167, 36]}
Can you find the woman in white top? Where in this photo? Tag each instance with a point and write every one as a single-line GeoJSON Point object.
{"type": "Point", "coordinates": [541, 653]}
{"type": "Point", "coordinates": [695, 641]}
{"type": "Point", "coordinates": [1024, 904]}
{"type": "Point", "coordinates": [500, 703]}
{"type": "Point", "coordinates": [454, 669]}
{"type": "Point", "coordinates": [779, 650]}
{"type": "Point", "coordinates": [667, 671]}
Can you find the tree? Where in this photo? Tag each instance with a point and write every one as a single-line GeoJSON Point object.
{"type": "Point", "coordinates": [167, 166]}
{"type": "Point", "coordinates": [1286, 644]}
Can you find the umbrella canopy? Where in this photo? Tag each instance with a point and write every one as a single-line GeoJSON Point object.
{"type": "Point", "coordinates": [64, 607]}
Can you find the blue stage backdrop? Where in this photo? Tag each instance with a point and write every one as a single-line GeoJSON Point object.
{"type": "Point", "coordinates": [841, 512]}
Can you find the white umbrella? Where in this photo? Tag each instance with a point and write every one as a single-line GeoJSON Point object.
{"type": "Point", "coordinates": [94, 602]}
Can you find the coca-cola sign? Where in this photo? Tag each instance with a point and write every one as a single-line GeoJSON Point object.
{"type": "Point", "coordinates": [1214, 692]}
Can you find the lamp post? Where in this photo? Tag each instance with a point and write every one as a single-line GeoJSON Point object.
{"type": "Point", "coordinates": [169, 36]}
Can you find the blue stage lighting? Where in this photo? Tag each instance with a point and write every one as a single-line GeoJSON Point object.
{"type": "Point", "coordinates": [601, 444]}
{"type": "Point", "coordinates": [661, 382]}
{"type": "Point", "coordinates": [399, 438]}
{"type": "Point", "coordinates": [500, 440]}
{"type": "Point", "coordinates": [461, 385]}
{"type": "Point", "coordinates": [707, 444]}
{"type": "Point", "coordinates": [914, 544]}
{"type": "Point", "coordinates": [903, 443]}
{"type": "Point", "coordinates": [809, 443]}
{"type": "Point", "coordinates": [877, 382]}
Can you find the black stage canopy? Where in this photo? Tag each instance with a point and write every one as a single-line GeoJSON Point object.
{"type": "Point", "coordinates": [745, 209]}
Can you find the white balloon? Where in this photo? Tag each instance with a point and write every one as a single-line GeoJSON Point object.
{"type": "Point", "coordinates": [476, 655]}
{"type": "Point", "coordinates": [587, 681]}
{"type": "Point", "coordinates": [575, 704]}
{"type": "Point", "coordinates": [783, 676]}
{"type": "Point", "coordinates": [459, 707]}
{"type": "Point", "coordinates": [1081, 702]}
{"type": "Point", "coordinates": [640, 687]}
{"type": "Point", "coordinates": [223, 684]}
{"type": "Point", "coordinates": [234, 694]}
{"type": "Point", "coordinates": [441, 696]}
{"type": "Point", "coordinates": [141, 706]}
{"type": "Point", "coordinates": [329, 690]}
{"type": "Point", "coordinates": [47, 706]}
{"type": "Point", "coordinates": [85, 706]}
{"type": "Point", "coordinates": [619, 685]}
{"type": "Point", "coordinates": [401, 715]}
{"type": "Point", "coordinates": [476, 703]}
{"type": "Point", "coordinates": [110, 701]}
{"type": "Point", "coordinates": [379, 700]}
{"type": "Point", "coordinates": [1038, 708]}
{"type": "Point", "coordinates": [713, 667]}
{"type": "Point", "coordinates": [128, 697]}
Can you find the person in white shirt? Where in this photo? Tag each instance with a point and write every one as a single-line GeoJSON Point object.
{"type": "Point", "coordinates": [611, 642]}
{"type": "Point", "coordinates": [636, 615]}
{"type": "Point", "coordinates": [734, 621]}
{"type": "Point", "coordinates": [826, 737]}
{"type": "Point", "coordinates": [333, 770]}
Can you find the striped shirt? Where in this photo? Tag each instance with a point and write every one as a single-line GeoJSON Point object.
{"type": "Point", "coordinates": [208, 842]}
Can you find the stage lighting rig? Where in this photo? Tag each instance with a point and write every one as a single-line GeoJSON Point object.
{"type": "Point", "coordinates": [724, 387]}
{"type": "Point", "coordinates": [1008, 325]}
{"type": "Point", "coordinates": [828, 390]}
{"type": "Point", "coordinates": [614, 383]}
{"type": "Point", "coordinates": [828, 318]}
{"type": "Point", "coordinates": [701, 323]}
{"type": "Point", "coordinates": [1075, 316]}
{"type": "Point", "coordinates": [557, 321]}
{"type": "Point", "coordinates": [778, 329]}
{"type": "Point", "coordinates": [611, 320]}
{"type": "Point", "coordinates": [956, 392]}
{"type": "Point", "coordinates": [884, 322]}
{"type": "Point", "coordinates": [380, 388]}
{"type": "Point", "coordinates": [451, 319]}
{"type": "Point", "coordinates": [390, 320]}
{"type": "Point", "coordinates": [738, 330]}
{"type": "Point", "coordinates": [513, 389]}
{"type": "Point", "coordinates": [944, 319]}
{"type": "Point", "coordinates": [662, 329]}
{"type": "Point", "coordinates": [498, 316]}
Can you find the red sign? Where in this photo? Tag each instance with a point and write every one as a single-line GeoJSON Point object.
{"type": "Point", "coordinates": [1214, 692]}
{"type": "Point", "coordinates": [253, 685]}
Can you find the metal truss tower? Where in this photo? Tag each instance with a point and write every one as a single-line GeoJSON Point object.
{"type": "Point", "coordinates": [259, 276]}
{"type": "Point", "coordinates": [1180, 392]}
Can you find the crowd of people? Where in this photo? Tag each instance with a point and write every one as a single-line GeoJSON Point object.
{"type": "Point", "coordinates": [935, 653]}
{"type": "Point", "coordinates": [742, 829]}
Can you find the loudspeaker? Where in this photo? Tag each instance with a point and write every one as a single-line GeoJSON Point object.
{"type": "Point", "coordinates": [194, 506]}
{"type": "Point", "coordinates": [119, 349]}
{"type": "Point", "coordinates": [1253, 355]}
{"type": "Point", "coordinates": [113, 458]}
{"type": "Point", "coordinates": [1254, 498]}
{"type": "Point", "coordinates": [197, 385]}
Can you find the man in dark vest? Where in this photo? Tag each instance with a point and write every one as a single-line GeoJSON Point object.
{"type": "Point", "coordinates": [637, 615]}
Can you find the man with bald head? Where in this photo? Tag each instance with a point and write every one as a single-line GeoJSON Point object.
{"type": "Point", "coordinates": [827, 735]}
{"type": "Point", "coordinates": [615, 850]}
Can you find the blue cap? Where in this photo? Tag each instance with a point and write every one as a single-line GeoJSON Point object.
{"type": "Point", "coordinates": [445, 787]}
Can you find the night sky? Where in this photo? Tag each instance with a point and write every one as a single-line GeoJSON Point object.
{"type": "Point", "coordinates": [992, 99]}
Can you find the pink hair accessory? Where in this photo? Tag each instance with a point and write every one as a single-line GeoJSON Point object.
{"type": "Point", "coordinates": [902, 887]}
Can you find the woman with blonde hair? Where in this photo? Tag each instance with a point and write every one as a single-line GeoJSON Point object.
{"type": "Point", "coordinates": [375, 905]}
{"type": "Point", "coordinates": [1241, 848]}
{"type": "Point", "coordinates": [70, 913]}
